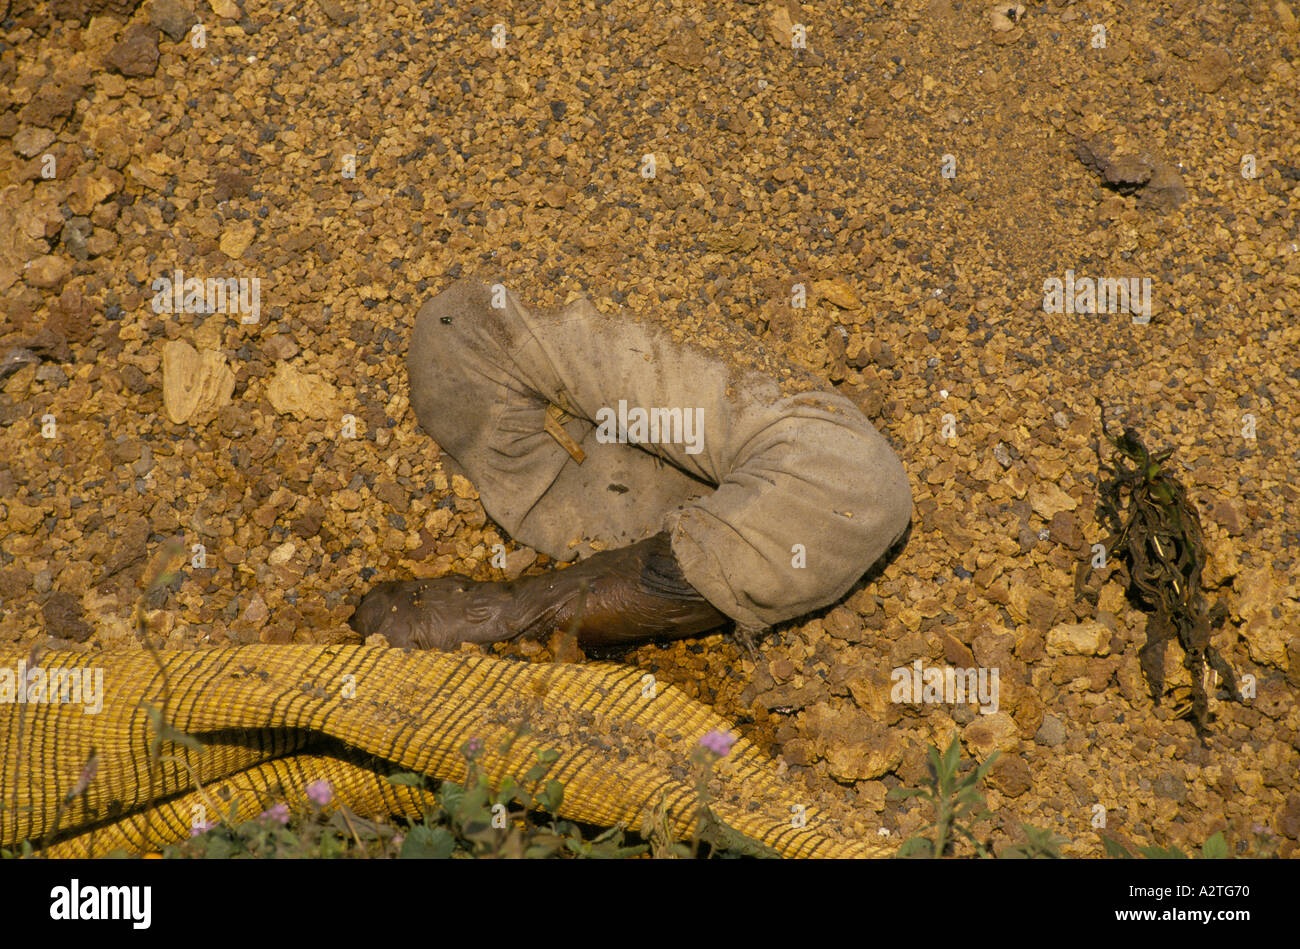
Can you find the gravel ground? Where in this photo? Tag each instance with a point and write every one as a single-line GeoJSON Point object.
{"type": "Point", "coordinates": [922, 169]}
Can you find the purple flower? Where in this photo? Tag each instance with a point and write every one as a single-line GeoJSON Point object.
{"type": "Point", "coordinates": [718, 742]}
{"type": "Point", "coordinates": [473, 747]}
{"type": "Point", "coordinates": [202, 828]}
{"type": "Point", "coordinates": [319, 792]}
{"type": "Point", "coordinates": [278, 812]}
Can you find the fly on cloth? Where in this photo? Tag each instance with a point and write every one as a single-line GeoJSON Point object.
{"type": "Point", "coordinates": [583, 432]}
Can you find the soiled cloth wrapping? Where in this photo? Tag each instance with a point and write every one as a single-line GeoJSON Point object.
{"type": "Point", "coordinates": [776, 507]}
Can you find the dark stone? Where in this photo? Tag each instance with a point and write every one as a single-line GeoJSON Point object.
{"type": "Point", "coordinates": [137, 54]}
{"type": "Point", "coordinates": [129, 548]}
{"type": "Point", "coordinates": [173, 18]}
{"type": "Point", "coordinates": [1065, 530]}
{"type": "Point", "coordinates": [52, 104]}
{"type": "Point", "coordinates": [1010, 775]}
{"type": "Point", "coordinates": [310, 523]}
{"type": "Point", "coordinates": [1052, 732]}
{"type": "Point", "coordinates": [957, 653]}
{"type": "Point", "coordinates": [15, 583]}
{"type": "Point", "coordinates": [1170, 786]}
{"type": "Point", "coordinates": [64, 619]}
{"type": "Point", "coordinates": [1288, 817]}
{"type": "Point", "coordinates": [336, 12]}
{"type": "Point", "coordinates": [75, 233]}
{"type": "Point", "coordinates": [83, 10]}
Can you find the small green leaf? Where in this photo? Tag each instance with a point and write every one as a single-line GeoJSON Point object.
{"type": "Point", "coordinates": [1216, 848]}
{"type": "Point", "coordinates": [180, 738]}
{"type": "Point", "coordinates": [952, 756]}
{"type": "Point", "coordinates": [899, 794]}
{"type": "Point", "coordinates": [423, 843]}
{"type": "Point", "coordinates": [166, 732]}
{"type": "Point", "coordinates": [407, 779]}
{"type": "Point", "coordinates": [1115, 850]}
{"type": "Point", "coordinates": [916, 847]}
{"type": "Point", "coordinates": [988, 763]}
{"type": "Point", "coordinates": [722, 836]}
{"type": "Point", "coordinates": [1162, 853]}
{"type": "Point", "coordinates": [1041, 843]}
{"type": "Point", "coordinates": [450, 796]}
{"type": "Point", "coordinates": [551, 797]}
{"type": "Point", "coordinates": [535, 773]}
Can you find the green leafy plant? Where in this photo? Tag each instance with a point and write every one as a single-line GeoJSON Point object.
{"type": "Point", "coordinates": [957, 804]}
{"type": "Point", "coordinates": [1039, 844]}
{"type": "Point", "coordinates": [517, 820]}
{"type": "Point", "coordinates": [721, 838]}
{"type": "Point", "coordinates": [1214, 848]}
{"type": "Point", "coordinates": [316, 830]}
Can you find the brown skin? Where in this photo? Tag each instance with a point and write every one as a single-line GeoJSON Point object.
{"type": "Point", "coordinates": [615, 598]}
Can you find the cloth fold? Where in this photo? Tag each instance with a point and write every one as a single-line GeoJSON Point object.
{"type": "Point", "coordinates": [777, 502]}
